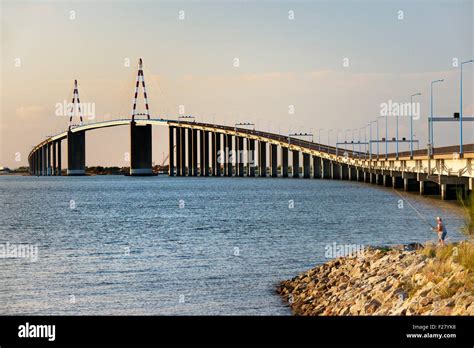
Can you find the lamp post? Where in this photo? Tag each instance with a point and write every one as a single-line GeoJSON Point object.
{"type": "Point", "coordinates": [411, 123]}
{"type": "Point", "coordinates": [378, 136]}
{"type": "Point", "coordinates": [430, 120]}
{"type": "Point", "coordinates": [396, 138]}
{"type": "Point", "coordinates": [319, 137]}
{"type": "Point", "coordinates": [370, 138]}
{"type": "Point", "coordinates": [329, 132]}
{"type": "Point", "coordinates": [353, 141]}
{"type": "Point", "coordinates": [460, 110]}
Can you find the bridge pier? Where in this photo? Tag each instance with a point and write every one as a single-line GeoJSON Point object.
{"type": "Point", "coordinates": [274, 160]}
{"type": "Point", "coordinates": [239, 161]}
{"type": "Point", "coordinates": [45, 161]}
{"type": "Point", "coordinates": [218, 154]}
{"type": "Point", "coordinates": [140, 150]}
{"type": "Point", "coordinates": [251, 158]}
{"type": "Point", "coordinates": [410, 184]}
{"type": "Point", "coordinates": [48, 154]}
{"type": "Point", "coordinates": [76, 153]}
{"type": "Point", "coordinates": [190, 151]}
{"type": "Point", "coordinates": [316, 167]}
{"type": "Point", "coordinates": [53, 168]}
{"type": "Point", "coordinates": [429, 188]}
{"type": "Point", "coordinates": [59, 157]}
{"type": "Point", "coordinates": [229, 156]}
{"type": "Point", "coordinates": [214, 153]}
{"type": "Point", "coordinates": [387, 180]}
{"type": "Point", "coordinates": [39, 164]}
{"type": "Point", "coordinates": [326, 166]}
{"type": "Point", "coordinates": [344, 172]}
{"type": "Point", "coordinates": [352, 173]}
{"type": "Point", "coordinates": [296, 164]}
{"type": "Point", "coordinates": [182, 155]}
{"type": "Point", "coordinates": [284, 162]}
{"type": "Point", "coordinates": [171, 151]}
{"type": "Point", "coordinates": [380, 179]}
{"type": "Point", "coordinates": [335, 170]}
{"type": "Point", "coordinates": [306, 166]}
{"type": "Point", "coordinates": [262, 159]}
{"type": "Point", "coordinates": [397, 182]}
{"type": "Point", "coordinates": [202, 161]}
{"type": "Point", "coordinates": [178, 151]}
{"type": "Point", "coordinates": [195, 153]}
{"type": "Point", "coordinates": [205, 161]}
{"type": "Point", "coordinates": [372, 178]}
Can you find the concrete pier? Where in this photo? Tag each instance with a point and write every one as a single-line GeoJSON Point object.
{"type": "Point", "coordinates": [53, 166]}
{"type": "Point", "coordinates": [214, 153]}
{"type": "Point", "coordinates": [274, 160]}
{"type": "Point", "coordinates": [171, 151]}
{"type": "Point", "coordinates": [194, 156]}
{"type": "Point", "coordinates": [326, 166]}
{"type": "Point", "coordinates": [296, 163]}
{"type": "Point", "coordinates": [140, 150]}
{"type": "Point", "coordinates": [353, 173]}
{"type": "Point", "coordinates": [206, 154]}
{"type": "Point", "coordinates": [239, 165]}
{"type": "Point", "coordinates": [178, 152]}
{"type": "Point", "coordinates": [202, 163]}
{"type": "Point", "coordinates": [397, 182]}
{"type": "Point", "coordinates": [219, 155]}
{"type": "Point", "coordinates": [190, 152]}
{"type": "Point", "coordinates": [344, 172]}
{"type": "Point", "coordinates": [76, 153]}
{"type": "Point", "coordinates": [182, 155]}
{"type": "Point", "coordinates": [48, 155]}
{"type": "Point", "coordinates": [59, 168]}
{"type": "Point", "coordinates": [229, 155]}
{"type": "Point", "coordinates": [306, 166]}
{"type": "Point", "coordinates": [251, 158]}
{"type": "Point", "coordinates": [284, 162]}
{"type": "Point", "coordinates": [410, 184]}
{"type": "Point", "coordinates": [316, 167]}
{"type": "Point", "coordinates": [262, 159]}
{"type": "Point", "coordinates": [335, 170]}
{"type": "Point", "coordinates": [387, 180]}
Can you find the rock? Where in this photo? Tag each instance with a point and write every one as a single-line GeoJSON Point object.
{"type": "Point", "coordinates": [383, 282]}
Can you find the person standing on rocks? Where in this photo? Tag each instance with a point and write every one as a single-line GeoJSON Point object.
{"type": "Point", "coordinates": [441, 230]}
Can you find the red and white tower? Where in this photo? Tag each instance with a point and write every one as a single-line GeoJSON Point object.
{"type": "Point", "coordinates": [142, 78]}
{"type": "Point", "coordinates": [75, 98]}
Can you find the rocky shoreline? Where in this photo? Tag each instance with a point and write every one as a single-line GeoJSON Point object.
{"type": "Point", "coordinates": [402, 280]}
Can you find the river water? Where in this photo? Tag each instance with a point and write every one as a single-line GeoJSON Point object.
{"type": "Point", "coordinates": [187, 246]}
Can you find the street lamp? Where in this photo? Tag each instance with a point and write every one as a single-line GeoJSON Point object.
{"type": "Point", "coordinates": [319, 138]}
{"type": "Point", "coordinates": [370, 138]}
{"type": "Point", "coordinates": [365, 150]}
{"type": "Point", "coordinates": [377, 120]}
{"type": "Point", "coordinates": [430, 121]}
{"type": "Point", "coordinates": [337, 135]}
{"type": "Point", "coordinates": [329, 131]}
{"type": "Point", "coordinates": [460, 110]}
{"type": "Point", "coordinates": [411, 123]}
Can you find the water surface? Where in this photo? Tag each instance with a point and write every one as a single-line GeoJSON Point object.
{"type": "Point", "coordinates": [178, 246]}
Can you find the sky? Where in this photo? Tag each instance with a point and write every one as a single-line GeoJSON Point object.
{"type": "Point", "coordinates": [333, 63]}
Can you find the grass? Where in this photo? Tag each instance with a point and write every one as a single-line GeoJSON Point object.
{"type": "Point", "coordinates": [444, 259]}
{"type": "Point", "coordinates": [468, 207]}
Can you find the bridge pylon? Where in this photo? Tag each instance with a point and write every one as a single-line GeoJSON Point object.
{"type": "Point", "coordinates": [76, 141]}
{"type": "Point", "coordinates": [140, 134]}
